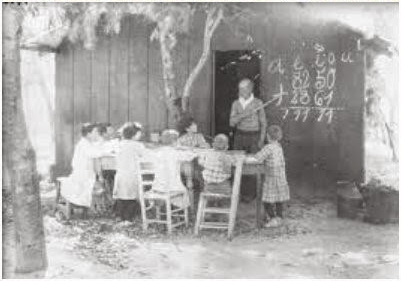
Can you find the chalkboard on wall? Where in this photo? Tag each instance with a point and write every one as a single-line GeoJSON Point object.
{"type": "Point", "coordinates": [317, 89]}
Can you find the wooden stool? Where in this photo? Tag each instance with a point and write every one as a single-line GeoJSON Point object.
{"type": "Point", "coordinates": [231, 212]}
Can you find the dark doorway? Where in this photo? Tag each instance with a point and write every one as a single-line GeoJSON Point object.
{"type": "Point", "coordinates": [230, 68]}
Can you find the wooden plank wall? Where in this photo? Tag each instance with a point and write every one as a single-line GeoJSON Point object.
{"type": "Point", "coordinates": [122, 80]}
{"type": "Point", "coordinates": [138, 65]}
{"type": "Point", "coordinates": [309, 146]}
{"type": "Point", "coordinates": [201, 92]}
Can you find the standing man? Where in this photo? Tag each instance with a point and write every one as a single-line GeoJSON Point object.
{"type": "Point", "coordinates": [250, 125]}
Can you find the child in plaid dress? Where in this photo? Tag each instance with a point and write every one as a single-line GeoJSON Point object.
{"type": "Point", "coordinates": [275, 187]}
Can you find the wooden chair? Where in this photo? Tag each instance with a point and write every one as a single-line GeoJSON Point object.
{"type": "Point", "coordinates": [146, 194]}
{"type": "Point", "coordinates": [69, 206]}
{"type": "Point", "coordinates": [231, 212]}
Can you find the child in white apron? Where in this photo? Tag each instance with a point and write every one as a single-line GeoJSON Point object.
{"type": "Point", "coordinates": [126, 185]}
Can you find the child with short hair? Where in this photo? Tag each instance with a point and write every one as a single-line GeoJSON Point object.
{"type": "Point", "coordinates": [217, 167]}
{"type": "Point", "coordinates": [126, 185]}
{"type": "Point", "coordinates": [168, 161]}
{"type": "Point", "coordinates": [275, 186]}
{"type": "Point", "coordinates": [191, 138]}
{"type": "Point", "coordinates": [190, 135]}
{"type": "Point", "coordinates": [169, 137]}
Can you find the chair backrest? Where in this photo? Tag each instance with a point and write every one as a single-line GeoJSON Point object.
{"type": "Point", "coordinates": [146, 175]}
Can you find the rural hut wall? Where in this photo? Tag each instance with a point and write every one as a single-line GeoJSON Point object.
{"type": "Point", "coordinates": [122, 80]}
{"type": "Point", "coordinates": [323, 130]}
{"type": "Point", "coordinates": [322, 134]}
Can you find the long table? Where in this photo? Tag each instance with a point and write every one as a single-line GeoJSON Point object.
{"type": "Point", "coordinates": [249, 168]}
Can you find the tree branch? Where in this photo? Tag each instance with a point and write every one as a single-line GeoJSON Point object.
{"type": "Point", "coordinates": [210, 27]}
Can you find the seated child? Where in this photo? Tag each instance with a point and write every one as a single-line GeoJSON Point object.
{"type": "Point", "coordinates": [167, 169]}
{"type": "Point", "coordinates": [108, 139]}
{"type": "Point", "coordinates": [126, 180]}
{"type": "Point", "coordinates": [78, 187]}
{"type": "Point", "coordinates": [189, 134]}
{"type": "Point", "coordinates": [169, 137]}
{"type": "Point", "coordinates": [217, 167]}
{"type": "Point", "coordinates": [119, 132]}
{"type": "Point", "coordinates": [191, 138]}
{"type": "Point", "coordinates": [110, 132]}
{"type": "Point", "coordinates": [275, 186]}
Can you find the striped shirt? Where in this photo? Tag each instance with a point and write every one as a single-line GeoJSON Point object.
{"type": "Point", "coordinates": [193, 140]}
{"type": "Point", "coordinates": [253, 122]}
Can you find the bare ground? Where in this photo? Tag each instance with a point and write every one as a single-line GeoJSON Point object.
{"type": "Point", "coordinates": [312, 243]}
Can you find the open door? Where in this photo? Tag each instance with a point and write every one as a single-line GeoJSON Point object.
{"type": "Point", "coordinates": [229, 68]}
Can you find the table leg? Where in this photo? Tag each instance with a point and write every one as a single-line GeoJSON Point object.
{"type": "Point", "coordinates": [258, 200]}
{"type": "Point", "coordinates": [191, 196]}
{"type": "Point", "coordinates": [188, 171]}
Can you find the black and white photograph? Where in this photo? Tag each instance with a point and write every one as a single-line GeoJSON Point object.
{"type": "Point", "coordinates": [206, 140]}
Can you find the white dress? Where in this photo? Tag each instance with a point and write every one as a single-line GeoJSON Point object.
{"type": "Point", "coordinates": [126, 182]}
{"type": "Point", "coordinates": [78, 187]}
{"type": "Point", "coordinates": [168, 172]}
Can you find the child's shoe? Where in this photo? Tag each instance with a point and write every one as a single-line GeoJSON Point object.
{"type": "Point", "coordinates": [274, 222]}
{"type": "Point", "coordinates": [279, 221]}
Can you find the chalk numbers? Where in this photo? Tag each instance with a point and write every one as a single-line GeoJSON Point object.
{"type": "Point", "coordinates": [308, 94]}
{"type": "Point", "coordinates": [325, 112]}
{"type": "Point", "coordinates": [325, 78]}
{"type": "Point", "coordinates": [299, 113]}
{"type": "Point", "coordinates": [300, 83]}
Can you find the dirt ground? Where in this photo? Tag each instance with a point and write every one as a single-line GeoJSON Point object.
{"type": "Point", "coordinates": [312, 243]}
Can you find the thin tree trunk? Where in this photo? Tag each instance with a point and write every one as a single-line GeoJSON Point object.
{"type": "Point", "coordinates": [167, 43]}
{"type": "Point", "coordinates": [177, 104]}
{"type": "Point", "coordinates": [214, 17]}
{"type": "Point", "coordinates": [19, 154]}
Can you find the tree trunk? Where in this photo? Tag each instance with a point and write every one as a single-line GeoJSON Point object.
{"type": "Point", "coordinates": [19, 154]}
{"type": "Point", "coordinates": [214, 17]}
{"type": "Point", "coordinates": [167, 43]}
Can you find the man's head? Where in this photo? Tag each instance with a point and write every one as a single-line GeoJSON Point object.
{"type": "Point", "coordinates": [245, 88]}
{"type": "Point", "coordinates": [220, 142]}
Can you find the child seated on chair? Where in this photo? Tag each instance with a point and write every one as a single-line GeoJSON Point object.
{"type": "Point", "coordinates": [190, 137]}
{"type": "Point", "coordinates": [78, 187]}
{"type": "Point", "coordinates": [108, 140]}
{"type": "Point", "coordinates": [275, 186]}
{"type": "Point", "coordinates": [167, 169]}
{"type": "Point", "coordinates": [126, 180]}
{"type": "Point", "coordinates": [189, 134]}
{"type": "Point", "coordinates": [217, 167]}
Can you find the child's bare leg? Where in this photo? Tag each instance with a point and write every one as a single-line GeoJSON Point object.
{"type": "Point", "coordinates": [279, 209]}
{"type": "Point", "coordinates": [269, 210]}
